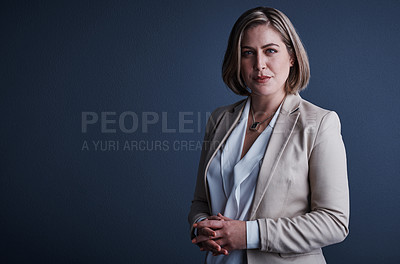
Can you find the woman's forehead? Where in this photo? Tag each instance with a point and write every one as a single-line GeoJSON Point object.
{"type": "Point", "coordinates": [261, 35]}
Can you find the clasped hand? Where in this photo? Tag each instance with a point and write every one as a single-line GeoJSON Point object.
{"type": "Point", "coordinates": [220, 234]}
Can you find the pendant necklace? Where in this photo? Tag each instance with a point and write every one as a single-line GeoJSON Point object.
{"type": "Point", "coordinates": [255, 124]}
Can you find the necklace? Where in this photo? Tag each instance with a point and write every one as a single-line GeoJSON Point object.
{"type": "Point", "coordinates": [255, 124]}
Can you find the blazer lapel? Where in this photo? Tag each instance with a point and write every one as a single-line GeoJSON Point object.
{"type": "Point", "coordinates": [222, 130]}
{"type": "Point", "coordinates": [284, 127]}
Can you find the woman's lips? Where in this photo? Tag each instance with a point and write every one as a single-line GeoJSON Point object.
{"type": "Point", "coordinates": [262, 79]}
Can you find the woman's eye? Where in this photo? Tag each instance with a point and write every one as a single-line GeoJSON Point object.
{"type": "Point", "coordinates": [270, 51]}
{"type": "Point", "coordinates": [247, 53]}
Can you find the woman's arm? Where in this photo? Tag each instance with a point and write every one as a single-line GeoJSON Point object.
{"type": "Point", "coordinates": [200, 207]}
{"type": "Point", "coordinates": [327, 222]}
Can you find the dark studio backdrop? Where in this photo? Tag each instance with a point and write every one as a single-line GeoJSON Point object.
{"type": "Point", "coordinates": [103, 107]}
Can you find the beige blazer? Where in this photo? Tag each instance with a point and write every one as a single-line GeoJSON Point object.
{"type": "Point", "coordinates": [301, 201]}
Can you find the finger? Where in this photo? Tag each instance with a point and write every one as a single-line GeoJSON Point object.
{"type": "Point", "coordinates": [201, 246]}
{"type": "Point", "coordinates": [212, 245]}
{"type": "Point", "coordinates": [217, 234]}
{"type": "Point", "coordinates": [223, 217]}
{"type": "Point", "coordinates": [206, 247]}
{"type": "Point", "coordinates": [224, 250]}
{"type": "Point", "coordinates": [221, 242]}
{"type": "Point", "coordinates": [206, 232]}
{"type": "Point", "coordinates": [213, 217]}
{"type": "Point", "coordinates": [221, 252]}
{"type": "Point", "coordinates": [200, 239]}
{"type": "Point", "coordinates": [213, 224]}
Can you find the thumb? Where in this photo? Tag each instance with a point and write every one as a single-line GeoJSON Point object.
{"type": "Point", "coordinates": [224, 217]}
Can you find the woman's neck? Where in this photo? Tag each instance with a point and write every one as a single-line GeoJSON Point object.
{"type": "Point", "coordinates": [266, 104]}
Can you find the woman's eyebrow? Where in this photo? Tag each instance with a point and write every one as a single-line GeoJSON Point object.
{"type": "Point", "coordinates": [263, 47]}
{"type": "Point", "coordinates": [269, 44]}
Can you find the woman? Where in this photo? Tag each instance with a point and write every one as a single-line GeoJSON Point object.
{"type": "Point", "coordinates": [272, 179]}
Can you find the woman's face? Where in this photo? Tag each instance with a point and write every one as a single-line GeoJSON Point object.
{"type": "Point", "coordinates": [265, 61]}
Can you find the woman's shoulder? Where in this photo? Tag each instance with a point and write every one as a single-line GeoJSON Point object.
{"type": "Point", "coordinates": [306, 106]}
{"type": "Point", "coordinates": [219, 111]}
{"type": "Point", "coordinates": [216, 116]}
{"type": "Point", "coordinates": [314, 114]}
{"type": "Point", "coordinates": [309, 108]}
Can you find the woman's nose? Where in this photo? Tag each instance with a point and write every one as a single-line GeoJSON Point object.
{"type": "Point", "coordinates": [261, 63]}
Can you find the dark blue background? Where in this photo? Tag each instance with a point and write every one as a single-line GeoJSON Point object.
{"type": "Point", "coordinates": [62, 204]}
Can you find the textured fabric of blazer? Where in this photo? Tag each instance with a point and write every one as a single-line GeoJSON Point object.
{"type": "Point", "coordinates": [301, 201]}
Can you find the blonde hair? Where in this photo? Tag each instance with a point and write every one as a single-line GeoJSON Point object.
{"type": "Point", "coordinates": [299, 74]}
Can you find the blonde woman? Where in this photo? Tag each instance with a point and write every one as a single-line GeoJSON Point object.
{"type": "Point", "coordinates": [272, 179]}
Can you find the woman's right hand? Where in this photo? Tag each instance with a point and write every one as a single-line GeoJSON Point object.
{"type": "Point", "coordinates": [203, 238]}
{"type": "Point", "coordinates": [229, 234]}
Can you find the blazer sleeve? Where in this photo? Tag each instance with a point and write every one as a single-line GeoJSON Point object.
{"type": "Point", "coordinates": [327, 221]}
{"type": "Point", "coordinates": [200, 208]}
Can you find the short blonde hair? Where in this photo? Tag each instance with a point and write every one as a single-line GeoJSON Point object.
{"type": "Point", "coordinates": [299, 74]}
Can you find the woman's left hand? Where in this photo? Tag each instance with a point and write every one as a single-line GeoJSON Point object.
{"type": "Point", "coordinates": [229, 234]}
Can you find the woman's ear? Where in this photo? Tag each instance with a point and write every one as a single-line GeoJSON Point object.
{"type": "Point", "coordinates": [291, 61]}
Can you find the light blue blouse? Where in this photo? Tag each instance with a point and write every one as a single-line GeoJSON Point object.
{"type": "Point", "coordinates": [232, 181]}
